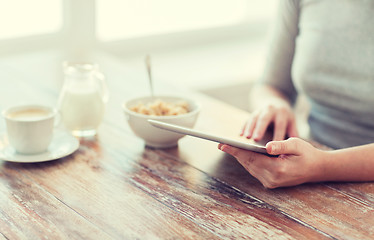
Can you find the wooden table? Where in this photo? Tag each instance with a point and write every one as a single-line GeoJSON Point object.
{"type": "Point", "coordinates": [115, 188]}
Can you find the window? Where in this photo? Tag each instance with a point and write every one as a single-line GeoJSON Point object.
{"type": "Point", "coordinates": [21, 18]}
{"type": "Point", "coordinates": [125, 19]}
{"type": "Point", "coordinates": [81, 24]}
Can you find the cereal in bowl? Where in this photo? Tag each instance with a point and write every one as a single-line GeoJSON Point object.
{"type": "Point", "coordinates": [161, 108]}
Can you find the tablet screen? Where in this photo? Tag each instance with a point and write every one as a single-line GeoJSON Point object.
{"type": "Point", "coordinates": [208, 136]}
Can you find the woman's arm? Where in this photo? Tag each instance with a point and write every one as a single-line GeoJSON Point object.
{"type": "Point", "coordinates": [262, 95]}
{"type": "Point", "coordinates": [271, 98]}
{"type": "Point", "coordinates": [349, 164]}
{"type": "Point", "coordinates": [299, 162]}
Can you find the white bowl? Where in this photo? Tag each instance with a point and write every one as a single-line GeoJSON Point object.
{"type": "Point", "coordinates": [155, 137]}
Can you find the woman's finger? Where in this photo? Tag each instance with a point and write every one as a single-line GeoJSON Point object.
{"type": "Point", "coordinates": [289, 146]}
{"type": "Point", "coordinates": [244, 128]}
{"type": "Point", "coordinates": [262, 124]}
{"type": "Point", "coordinates": [292, 128]}
{"type": "Point", "coordinates": [251, 126]}
{"type": "Point", "coordinates": [280, 126]}
{"type": "Point", "coordinates": [244, 155]}
{"type": "Point", "coordinates": [255, 163]}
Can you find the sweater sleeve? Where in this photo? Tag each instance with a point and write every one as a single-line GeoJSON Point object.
{"type": "Point", "coordinates": [277, 72]}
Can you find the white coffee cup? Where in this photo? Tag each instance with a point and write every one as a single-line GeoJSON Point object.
{"type": "Point", "coordinates": [30, 127]}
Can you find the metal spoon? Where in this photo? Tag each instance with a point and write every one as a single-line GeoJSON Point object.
{"type": "Point", "coordinates": [148, 64]}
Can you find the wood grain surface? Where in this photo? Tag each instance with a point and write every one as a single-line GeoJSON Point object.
{"type": "Point", "coordinates": [114, 187]}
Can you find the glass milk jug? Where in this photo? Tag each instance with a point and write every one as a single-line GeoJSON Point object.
{"type": "Point", "coordinates": [82, 98]}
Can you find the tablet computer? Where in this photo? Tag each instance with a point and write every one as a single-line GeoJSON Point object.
{"type": "Point", "coordinates": [207, 136]}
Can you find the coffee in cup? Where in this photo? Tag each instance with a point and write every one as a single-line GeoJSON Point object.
{"type": "Point", "coordinates": [30, 127]}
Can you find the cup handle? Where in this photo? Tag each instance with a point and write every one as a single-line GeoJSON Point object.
{"type": "Point", "coordinates": [58, 117]}
{"type": "Point", "coordinates": [103, 87]}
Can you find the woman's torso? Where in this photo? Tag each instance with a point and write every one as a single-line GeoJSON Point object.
{"type": "Point", "coordinates": [333, 66]}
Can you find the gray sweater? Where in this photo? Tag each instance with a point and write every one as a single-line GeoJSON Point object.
{"type": "Point", "coordinates": [325, 50]}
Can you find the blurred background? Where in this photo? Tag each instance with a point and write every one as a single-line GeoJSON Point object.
{"type": "Point", "coordinates": [214, 46]}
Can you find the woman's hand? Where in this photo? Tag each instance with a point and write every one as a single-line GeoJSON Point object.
{"type": "Point", "coordinates": [280, 114]}
{"type": "Point", "coordinates": [297, 162]}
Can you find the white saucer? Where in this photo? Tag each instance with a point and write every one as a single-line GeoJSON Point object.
{"type": "Point", "coordinates": [63, 144]}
